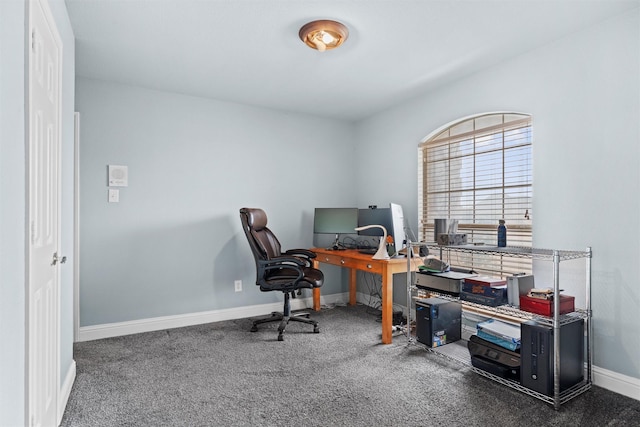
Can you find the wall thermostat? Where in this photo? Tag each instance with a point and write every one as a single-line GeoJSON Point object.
{"type": "Point", "coordinates": [118, 176]}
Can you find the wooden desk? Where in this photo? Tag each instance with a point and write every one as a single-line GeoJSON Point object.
{"type": "Point", "coordinates": [354, 261]}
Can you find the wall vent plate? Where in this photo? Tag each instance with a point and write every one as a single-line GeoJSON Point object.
{"type": "Point", "coordinates": [118, 176]}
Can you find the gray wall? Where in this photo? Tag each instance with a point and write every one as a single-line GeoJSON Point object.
{"type": "Point", "coordinates": [173, 244]}
{"type": "Point", "coordinates": [13, 206]}
{"type": "Point", "coordinates": [584, 95]}
{"type": "Point", "coordinates": [12, 212]}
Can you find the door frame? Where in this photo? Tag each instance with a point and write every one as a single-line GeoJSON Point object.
{"type": "Point", "coordinates": [76, 226]}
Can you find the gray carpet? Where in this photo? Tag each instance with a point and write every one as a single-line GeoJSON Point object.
{"type": "Point", "coordinates": [220, 374]}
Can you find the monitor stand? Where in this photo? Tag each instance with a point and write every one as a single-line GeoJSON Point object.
{"type": "Point", "coordinates": [337, 246]}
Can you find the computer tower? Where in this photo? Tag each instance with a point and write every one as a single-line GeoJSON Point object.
{"type": "Point", "coordinates": [536, 355]}
{"type": "Point", "coordinates": [438, 321]}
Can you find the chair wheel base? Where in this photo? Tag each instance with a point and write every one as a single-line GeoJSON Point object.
{"type": "Point", "coordinates": [284, 320]}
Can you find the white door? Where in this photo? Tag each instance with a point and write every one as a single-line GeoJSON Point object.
{"type": "Point", "coordinates": [44, 193]}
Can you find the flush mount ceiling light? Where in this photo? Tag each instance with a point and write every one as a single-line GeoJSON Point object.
{"type": "Point", "coordinates": [323, 34]}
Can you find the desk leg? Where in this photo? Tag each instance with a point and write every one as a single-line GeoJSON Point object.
{"type": "Point", "coordinates": [316, 291]}
{"type": "Point", "coordinates": [352, 285]}
{"type": "Point", "coordinates": [387, 306]}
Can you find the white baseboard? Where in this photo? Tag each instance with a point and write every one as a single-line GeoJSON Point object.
{"type": "Point", "coordinates": [65, 390]}
{"type": "Point", "coordinates": [622, 384]}
{"type": "Point", "coordinates": [108, 330]}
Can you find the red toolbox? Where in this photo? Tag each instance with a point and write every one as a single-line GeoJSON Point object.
{"type": "Point", "coordinates": [544, 306]}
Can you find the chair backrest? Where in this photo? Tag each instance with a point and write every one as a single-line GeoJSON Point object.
{"type": "Point", "coordinates": [264, 244]}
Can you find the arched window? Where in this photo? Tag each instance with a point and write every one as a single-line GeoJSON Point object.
{"type": "Point", "coordinates": [478, 171]}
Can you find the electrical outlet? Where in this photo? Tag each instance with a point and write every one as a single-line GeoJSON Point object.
{"type": "Point", "coordinates": [238, 285]}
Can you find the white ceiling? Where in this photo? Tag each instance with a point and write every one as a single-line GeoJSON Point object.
{"type": "Point", "coordinates": [248, 51]}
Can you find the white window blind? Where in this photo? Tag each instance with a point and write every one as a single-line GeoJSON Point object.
{"type": "Point", "coordinates": [477, 172]}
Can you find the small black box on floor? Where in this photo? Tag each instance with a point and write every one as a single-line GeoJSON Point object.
{"type": "Point", "coordinates": [438, 321]}
{"type": "Point", "coordinates": [536, 355]}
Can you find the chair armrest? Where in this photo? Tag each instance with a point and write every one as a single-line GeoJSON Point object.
{"type": "Point", "coordinates": [286, 260]}
{"type": "Point", "coordinates": [301, 252]}
{"type": "Point", "coordinates": [277, 263]}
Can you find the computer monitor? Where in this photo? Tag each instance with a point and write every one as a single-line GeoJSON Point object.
{"type": "Point", "coordinates": [335, 221]}
{"type": "Point", "coordinates": [375, 216]}
{"type": "Point", "coordinates": [399, 226]}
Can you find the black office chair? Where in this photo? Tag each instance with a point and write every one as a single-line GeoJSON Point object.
{"type": "Point", "coordinates": [287, 272]}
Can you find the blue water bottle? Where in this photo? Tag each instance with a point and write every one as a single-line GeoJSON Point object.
{"type": "Point", "coordinates": [502, 234]}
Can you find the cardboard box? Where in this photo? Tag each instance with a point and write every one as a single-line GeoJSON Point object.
{"type": "Point", "coordinates": [487, 291]}
{"type": "Point", "coordinates": [487, 281]}
{"type": "Point", "coordinates": [545, 307]}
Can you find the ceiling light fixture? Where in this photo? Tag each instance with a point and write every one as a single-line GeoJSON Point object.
{"type": "Point", "coordinates": [323, 34]}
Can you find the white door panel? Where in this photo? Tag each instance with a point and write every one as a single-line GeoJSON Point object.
{"type": "Point", "coordinates": [44, 195]}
